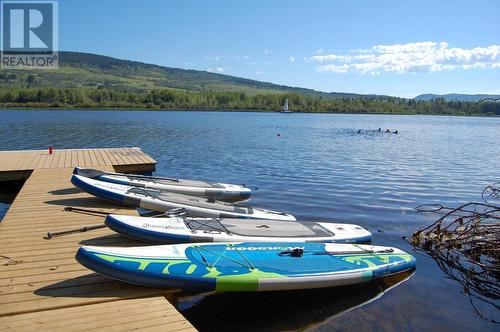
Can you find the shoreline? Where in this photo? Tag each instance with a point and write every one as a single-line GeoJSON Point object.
{"type": "Point", "coordinates": [149, 109]}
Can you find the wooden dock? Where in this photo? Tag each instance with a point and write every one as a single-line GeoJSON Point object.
{"type": "Point", "coordinates": [42, 287]}
{"type": "Point", "coordinates": [18, 165]}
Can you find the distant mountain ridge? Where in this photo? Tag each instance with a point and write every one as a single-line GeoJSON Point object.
{"type": "Point", "coordinates": [77, 69]}
{"type": "Point", "coordinates": [456, 97]}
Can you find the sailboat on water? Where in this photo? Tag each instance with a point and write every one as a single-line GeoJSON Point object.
{"type": "Point", "coordinates": [285, 107]}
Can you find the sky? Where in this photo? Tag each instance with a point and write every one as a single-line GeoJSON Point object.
{"type": "Point", "coordinates": [399, 48]}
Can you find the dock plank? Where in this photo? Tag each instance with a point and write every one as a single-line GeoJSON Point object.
{"type": "Point", "coordinates": [38, 162]}
{"type": "Point", "coordinates": [124, 314]}
{"type": "Point", "coordinates": [115, 153]}
{"type": "Point", "coordinates": [105, 157]}
{"type": "Point", "coordinates": [13, 159]}
{"type": "Point", "coordinates": [67, 158]}
{"type": "Point", "coordinates": [126, 156]}
{"type": "Point", "coordinates": [25, 162]}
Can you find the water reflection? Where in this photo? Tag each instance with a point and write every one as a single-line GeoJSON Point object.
{"type": "Point", "coordinates": [278, 311]}
{"type": "Point", "coordinates": [3, 210]}
{"type": "Point", "coordinates": [480, 287]}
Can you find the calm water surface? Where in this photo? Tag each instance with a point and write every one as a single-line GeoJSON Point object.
{"type": "Point", "coordinates": [318, 168]}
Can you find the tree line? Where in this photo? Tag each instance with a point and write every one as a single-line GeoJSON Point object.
{"type": "Point", "coordinates": [185, 100]}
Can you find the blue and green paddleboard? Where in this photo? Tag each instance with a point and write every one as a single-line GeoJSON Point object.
{"type": "Point", "coordinates": [249, 266]}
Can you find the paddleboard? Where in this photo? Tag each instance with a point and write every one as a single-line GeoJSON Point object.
{"type": "Point", "coordinates": [220, 191]}
{"type": "Point", "coordinates": [248, 266]}
{"type": "Point", "coordinates": [183, 230]}
{"type": "Point", "coordinates": [161, 201]}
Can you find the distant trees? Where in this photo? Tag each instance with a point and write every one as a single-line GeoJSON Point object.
{"type": "Point", "coordinates": [7, 76]}
{"type": "Point", "coordinates": [104, 97]}
{"type": "Point", "coordinates": [30, 80]}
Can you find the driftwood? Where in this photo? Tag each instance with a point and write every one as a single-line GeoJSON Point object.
{"type": "Point", "coordinates": [465, 243]}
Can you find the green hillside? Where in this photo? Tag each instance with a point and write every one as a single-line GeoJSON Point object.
{"type": "Point", "coordinates": [93, 71]}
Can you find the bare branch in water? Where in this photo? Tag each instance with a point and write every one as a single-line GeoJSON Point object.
{"type": "Point", "coordinates": [491, 192]}
{"type": "Point", "coordinates": [465, 243]}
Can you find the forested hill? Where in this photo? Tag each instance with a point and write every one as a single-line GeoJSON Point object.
{"type": "Point", "coordinates": [93, 81]}
{"type": "Point", "coordinates": [457, 97]}
{"type": "Point", "coordinates": [90, 70]}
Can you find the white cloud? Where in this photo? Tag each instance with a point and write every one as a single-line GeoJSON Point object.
{"type": "Point", "coordinates": [258, 72]}
{"type": "Point", "coordinates": [409, 58]}
{"type": "Point", "coordinates": [320, 51]}
{"type": "Point", "coordinates": [292, 58]}
{"type": "Point", "coordinates": [217, 70]}
{"type": "Point", "coordinates": [266, 51]}
{"type": "Point", "coordinates": [331, 57]}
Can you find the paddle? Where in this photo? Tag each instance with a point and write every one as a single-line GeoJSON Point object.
{"type": "Point", "coordinates": [51, 235]}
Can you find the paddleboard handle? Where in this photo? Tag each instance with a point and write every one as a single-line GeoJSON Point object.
{"type": "Point", "coordinates": [293, 252]}
{"type": "Point", "coordinates": [176, 212]}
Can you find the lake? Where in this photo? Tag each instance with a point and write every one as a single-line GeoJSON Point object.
{"type": "Point", "coordinates": [317, 167]}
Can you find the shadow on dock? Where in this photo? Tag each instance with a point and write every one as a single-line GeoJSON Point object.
{"type": "Point", "coordinates": [65, 191]}
{"type": "Point", "coordinates": [86, 202]}
{"type": "Point", "coordinates": [96, 285]}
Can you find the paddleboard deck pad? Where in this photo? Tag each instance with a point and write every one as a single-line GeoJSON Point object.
{"type": "Point", "coordinates": [248, 266]}
{"type": "Point", "coordinates": [220, 191]}
{"type": "Point", "coordinates": [161, 201]}
{"type": "Point", "coordinates": [185, 230]}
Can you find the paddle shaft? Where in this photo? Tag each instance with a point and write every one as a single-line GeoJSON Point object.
{"type": "Point", "coordinates": [51, 235]}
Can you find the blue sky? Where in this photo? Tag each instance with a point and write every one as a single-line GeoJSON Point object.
{"type": "Point", "coordinates": [401, 48]}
